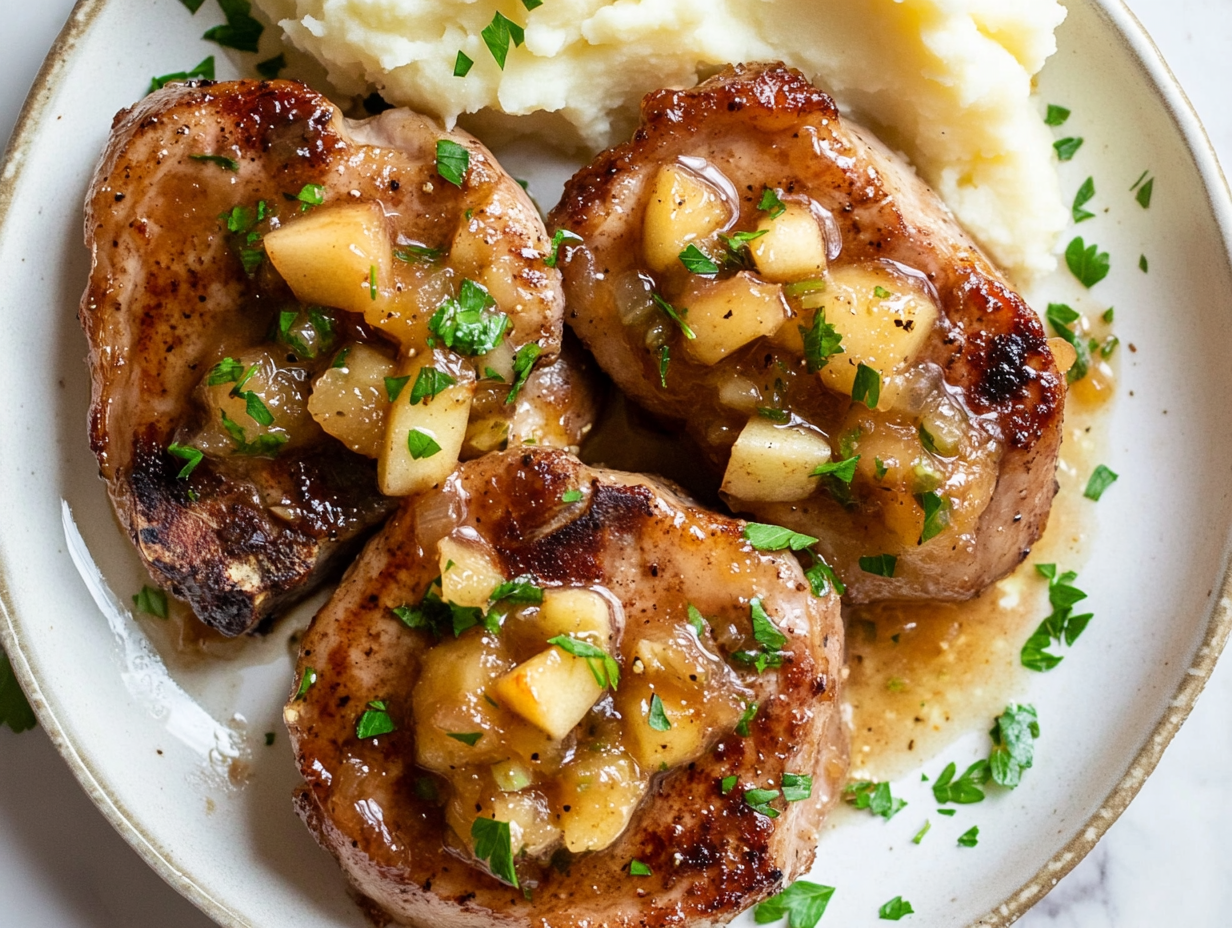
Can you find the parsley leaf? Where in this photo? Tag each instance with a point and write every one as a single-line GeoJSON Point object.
{"type": "Point", "coordinates": [559, 238]}
{"type": "Point", "coordinates": [306, 682]}
{"type": "Point", "coordinates": [1060, 625]}
{"type": "Point", "coordinates": [696, 262]}
{"type": "Point", "coordinates": [1101, 479]}
{"type": "Point", "coordinates": [764, 631]}
{"type": "Point", "coordinates": [152, 601]}
{"type": "Point", "coordinates": [271, 67]}
{"type": "Point", "coordinates": [821, 342]}
{"type": "Point", "coordinates": [187, 453]}
{"type": "Point", "coordinates": [464, 324]}
{"type": "Point", "coordinates": [1067, 148]}
{"type": "Point", "coordinates": [1083, 196]}
{"type": "Point", "coordinates": [1143, 196]}
{"type": "Point", "coordinates": [675, 315]}
{"type": "Point", "coordinates": [843, 470]}
{"type": "Point", "coordinates": [895, 909]}
{"type": "Point", "coordinates": [919, 835]}
{"type": "Point", "coordinates": [572, 496]}
{"type": "Point", "coordinates": [375, 721]}
{"type": "Point", "coordinates": [727, 784]}
{"type": "Point", "coordinates": [497, 35]}
{"type": "Point", "coordinates": [470, 738]}
{"type": "Point", "coordinates": [241, 32]}
{"type": "Point", "coordinates": [421, 444]}
{"type": "Point", "coordinates": [737, 254]}
{"type": "Point", "coordinates": [523, 364]}
{"type": "Point", "coordinates": [750, 713]}
{"type": "Point", "coordinates": [882, 565]}
{"type": "Point", "coordinates": [264, 445]}
{"type": "Point", "coordinates": [936, 514]}
{"type": "Point", "coordinates": [759, 801]}
{"type": "Point", "coordinates": [697, 620]}
{"type": "Point", "coordinates": [802, 904]}
{"type": "Point", "coordinates": [967, 788]}
{"type": "Point", "coordinates": [462, 64]}
{"type": "Point", "coordinates": [15, 711]}
{"type": "Point", "coordinates": [452, 160]}
{"type": "Point", "coordinates": [204, 70]}
{"type": "Point", "coordinates": [876, 797]}
{"type": "Point", "coordinates": [665, 358]}
{"type": "Point", "coordinates": [494, 844]}
{"type": "Point", "coordinates": [657, 718]}
{"type": "Point", "coordinates": [797, 787]}
{"type": "Point", "coordinates": [970, 837]}
{"type": "Point", "coordinates": [410, 254]}
{"type": "Point", "coordinates": [518, 590]}
{"type": "Point", "coordinates": [394, 386]}
{"type": "Point", "coordinates": [1087, 263]}
{"type": "Point", "coordinates": [822, 578]}
{"type": "Point", "coordinates": [775, 538]}
{"type": "Point", "coordinates": [193, 5]}
{"type": "Point", "coordinates": [866, 388]}
{"type": "Point", "coordinates": [1056, 115]}
{"type": "Point", "coordinates": [228, 370]}
{"type": "Point", "coordinates": [636, 867]}
{"type": "Point", "coordinates": [428, 383]}
{"type": "Point", "coordinates": [1062, 319]}
{"type": "Point", "coordinates": [227, 164]}
{"type": "Point", "coordinates": [1013, 736]}
{"type": "Point", "coordinates": [603, 668]}
{"type": "Point", "coordinates": [770, 203]}
{"type": "Point", "coordinates": [1142, 263]}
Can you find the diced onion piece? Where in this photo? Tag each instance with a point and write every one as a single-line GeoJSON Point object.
{"type": "Point", "coordinates": [681, 209]}
{"type": "Point", "coordinates": [573, 611]}
{"type": "Point", "coordinates": [530, 822]}
{"type": "Point", "coordinates": [468, 574]}
{"type": "Point", "coordinates": [511, 775]}
{"type": "Point", "coordinates": [944, 426]}
{"type": "Point", "coordinates": [884, 319]}
{"type": "Point", "coordinates": [480, 251]}
{"type": "Point", "coordinates": [350, 402]}
{"type": "Point", "coordinates": [598, 794]}
{"type": "Point", "coordinates": [728, 314]}
{"type": "Point", "coordinates": [449, 699]}
{"type": "Point", "coordinates": [274, 419]}
{"type": "Point", "coordinates": [407, 299]}
{"type": "Point", "coordinates": [792, 248]}
{"type": "Point", "coordinates": [441, 418]}
{"type": "Point", "coordinates": [771, 463]}
{"type": "Point", "coordinates": [553, 691]}
{"type": "Point", "coordinates": [334, 256]}
{"type": "Point", "coordinates": [1063, 353]}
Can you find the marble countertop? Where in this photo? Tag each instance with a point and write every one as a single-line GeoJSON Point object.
{"type": "Point", "coordinates": [1166, 860]}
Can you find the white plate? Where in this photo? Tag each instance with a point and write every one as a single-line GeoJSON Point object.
{"type": "Point", "coordinates": [154, 750]}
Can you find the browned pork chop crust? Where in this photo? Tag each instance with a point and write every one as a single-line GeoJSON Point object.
{"type": "Point", "coordinates": [710, 854]}
{"type": "Point", "coordinates": [169, 297]}
{"type": "Point", "coordinates": [766, 126]}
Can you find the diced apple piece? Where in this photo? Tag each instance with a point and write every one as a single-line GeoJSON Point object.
{"type": "Point", "coordinates": [407, 299]}
{"type": "Point", "coordinates": [792, 248]}
{"type": "Point", "coordinates": [553, 691]}
{"type": "Point", "coordinates": [684, 665]}
{"type": "Point", "coordinates": [728, 314]}
{"type": "Point", "coordinates": [350, 402]}
{"type": "Point", "coordinates": [683, 742]}
{"type": "Point", "coordinates": [449, 700]}
{"type": "Point", "coordinates": [598, 794]}
{"type": "Point", "coordinates": [423, 440]}
{"type": "Point", "coordinates": [530, 823]}
{"type": "Point", "coordinates": [578, 612]}
{"type": "Point", "coordinates": [884, 319]}
{"type": "Point", "coordinates": [334, 255]}
{"type": "Point", "coordinates": [260, 407]}
{"type": "Point", "coordinates": [682, 209]}
{"type": "Point", "coordinates": [772, 463]}
{"type": "Point", "coordinates": [468, 574]}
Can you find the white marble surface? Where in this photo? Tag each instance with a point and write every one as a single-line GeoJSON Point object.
{"type": "Point", "coordinates": [1166, 861]}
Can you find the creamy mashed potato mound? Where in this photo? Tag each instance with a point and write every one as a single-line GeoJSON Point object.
{"type": "Point", "coordinates": [948, 82]}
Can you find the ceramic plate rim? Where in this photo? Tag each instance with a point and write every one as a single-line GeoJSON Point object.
{"type": "Point", "coordinates": [1145, 55]}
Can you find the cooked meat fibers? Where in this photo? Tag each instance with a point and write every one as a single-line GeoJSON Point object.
{"type": "Point", "coordinates": [548, 694]}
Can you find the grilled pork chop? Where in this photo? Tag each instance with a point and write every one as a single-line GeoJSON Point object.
{"type": "Point", "coordinates": [235, 410]}
{"type": "Point", "coordinates": [767, 275]}
{"type": "Point", "coordinates": [466, 771]}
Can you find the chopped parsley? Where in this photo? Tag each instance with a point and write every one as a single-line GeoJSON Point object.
{"type": "Point", "coordinates": [429, 382]}
{"type": "Point", "coordinates": [518, 590]}
{"type": "Point", "coordinates": [822, 578]}
{"type": "Point", "coordinates": [494, 844]}
{"type": "Point", "coordinates": [375, 721]}
{"type": "Point", "coordinates": [765, 537]}
{"type": "Point", "coordinates": [821, 342]}
{"type": "Point", "coordinates": [759, 801]}
{"type": "Point", "coordinates": [421, 444]}
{"type": "Point", "coordinates": [1143, 196]}
{"type": "Point", "coordinates": [227, 164]}
{"type": "Point", "coordinates": [15, 711]}
{"type": "Point", "coordinates": [193, 5]}
{"type": "Point", "coordinates": [736, 254]}
{"type": "Point", "coordinates": [470, 738]}
{"type": "Point", "coordinates": [339, 362]}
{"type": "Point", "coordinates": [1056, 115]}
{"type": "Point", "coordinates": [1142, 263]}
{"type": "Point", "coordinates": [970, 837]}
{"type": "Point", "coordinates": [497, 35]}
{"type": "Point", "coordinates": [204, 70]}
{"type": "Point", "coordinates": [802, 904]}
{"type": "Point", "coordinates": [190, 455]}
{"type": "Point", "coordinates": [657, 717]}
{"type": "Point", "coordinates": [727, 784]}
{"type": "Point", "coordinates": [523, 364]}
{"type": "Point", "coordinates": [919, 835]}
{"type": "Point", "coordinates": [1081, 198]}
{"type": "Point", "coordinates": [572, 496]}
{"type": "Point", "coordinates": [966, 789]}
{"type": "Point", "coordinates": [696, 262]}
{"type": "Point", "coordinates": [636, 867]}
{"type": "Point", "coordinates": [770, 203]}
{"type": "Point", "coordinates": [306, 682]}
{"type": "Point", "coordinates": [309, 195]}
{"type": "Point", "coordinates": [1067, 148]}
{"type": "Point", "coordinates": [936, 514]}
{"type": "Point", "coordinates": [1013, 738]}
{"type": "Point", "coordinates": [410, 254]}
{"type": "Point", "coordinates": [866, 388]}
{"type": "Point", "coordinates": [797, 787]}
{"type": "Point", "coordinates": [882, 565]}
{"type": "Point", "coordinates": [876, 797]}
{"type": "Point", "coordinates": [602, 666]}
{"type": "Point", "coordinates": [1062, 318]}
{"type": "Point", "coordinates": [1061, 623]}
{"type": "Point", "coordinates": [264, 445]}
{"type": "Point", "coordinates": [895, 909]}
{"type": "Point", "coordinates": [843, 470]}
{"type": "Point", "coordinates": [764, 631]}
{"type": "Point", "coordinates": [665, 358]}
{"type": "Point", "coordinates": [270, 68]}
{"type": "Point", "coordinates": [881, 293]}
{"type": "Point", "coordinates": [559, 238]}
{"type": "Point", "coordinates": [437, 616]}
{"type": "Point", "coordinates": [697, 620]}
{"type": "Point", "coordinates": [462, 64]}
{"type": "Point", "coordinates": [241, 31]}
{"type": "Point", "coordinates": [465, 325]}
{"type": "Point", "coordinates": [394, 386]}
{"type": "Point", "coordinates": [750, 713]}
{"type": "Point", "coordinates": [1101, 479]}
{"type": "Point", "coordinates": [675, 315]}
{"type": "Point", "coordinates": [452, 160]}
{"type": "Point", "coordinates": [1086, 262]}
{"type": "Point", "coordinates": [152, 601]}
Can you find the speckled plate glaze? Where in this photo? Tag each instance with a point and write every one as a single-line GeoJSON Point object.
{"type": "Point", "coordinates": [163, 753]}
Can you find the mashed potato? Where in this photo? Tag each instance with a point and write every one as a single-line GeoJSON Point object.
{"type": "Point", "coordinates": [946, 81]}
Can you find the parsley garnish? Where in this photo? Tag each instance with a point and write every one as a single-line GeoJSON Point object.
{"type": "Point", "coordinates": [228, 370]}
{"type": "Point", "coordinates": [636, 867]}
{"type": "Point", "coordinates": [919, 835]}
{"type": "Point", "coordinates": [204, 70]}
{"type": "Point", "coordinates": [742, 727]}
{"type": "Point", "coordinates": [696, 262]}
{"type": "Point", "coordinates": [936, 514]}
{"type": "Point", "coordinates": [523, 363]}
{"type": "Point", "coordinates": [15, 711]}
{"type": "Point", "coordinates": [227, 164]}
{"type": "Point", "coordinates": [759, 801]}
{"type": "Point", "coordinates": [1143, 196]}
{"type": "Point", "coordinates": [1013, 737]}
{"type": "Point", "coordinates": [421, 444]}
{"type": "Point", "coordinates": [657, 718]}
{"type": "Point", "coordinates": [339, 362]}
{"type": "Point", "coordinates": [462, 64]}
{"type": "Point", "coordinates": [571, 496]}
{"type": "Point", "coordinates": [866, 388]}
{"type": "Point", "coordinates": [697, 620]}
{"type": "Point", "coordinates": [1062, 319]}
{"type": "Point", "coordinates": [1060, 624]}
{"type": "Point", "coordinates": [394, 385]}
{"type": "Point", "coordinates": [193, 5]}
{"type": "Point", "coordinates": [241, 32]}
{"type": "Point", "coordinates": [518, 590]}
{"type": "Point", "coordinates": [727, 784]}
{"type": "Point", "coordinates": [375, 721]}
{"type": "Point", "coordinates": [882, 565]}
{"type": "Point", "coordinates": [470, 738]}
{"type": "Point", "coordinates": [802, 904]}
{"type": "Point", "coordinates": [1087, 263]}
{"type": "Point", "coordinates": [876, 797]}
{"type": "Point", "coordinates": [895, 909]}
{"type": "Point", "coordinates": [821, 342]}
{"type": "Point", "coordinates": [152, 601]}
{"type": "Point", "coordinates": [843, 470]}
{"type": "Point", "coordinates": [775, 538]}
{"type": "Point", "coordinates": [881, 293]}
{"type": "Point", "coordinates": [1142, 264]}
{"type": "Point", "coordinates": [770, 203]}
{"type": "Point", "coordinates": [306, 682]}
{"type": "Point", "coordinates": [665, 358]}
{"type": "Point", "coordinates": [603, 668]}
{"type": "Point", "coordinates": [188, 454]}
{"type": "Point", "coordinates": [674, 315]}
{"type": "Point", "coordinates": [267, 444]}
{"type": "Point", "coordinates": [1066, 148]}
{"type": "Point", "coordinates": [736, 254]}
{"type": "Point", "coordinates": [494, 844]}
{"type": "Point", "coordinates": [1083, 196]}
{"type": "Point", "coordinates": [271, 67]}
{"type": "Point", "coordinates": [465, 325]}
{"type": "Point", "coordinates": [559, 238]}
{"type": "Point", "coordinates": [966, 789]}
{"type": "Point", "coordinates": [822, 578]}
{"type": "Point", "coordinates": [1101, 478]}
{"type": "Point", "coordinates": [428, 383]}
{"type": "Point", "coordinates": [310, 195]}
{"type": "Point", "coordinates": [970, 837]}
{"type": "Point", "coordinates": [797, 787]}
{"type": "Point", "coordinates": [497, 34]}
{"type": "Point", "coordinates": [1056, 115]}
{"type": "Point", "coordinates": [764, 631]}
{"type": "Point", "coordinates": [452, 160]}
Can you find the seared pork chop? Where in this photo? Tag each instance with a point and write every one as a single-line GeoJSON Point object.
{"type": "Point", "coordinates": [552, 695]}
{"type": "Point", "coordinates": [766, 274]}
{"type": "Point", "coordinates": [266, 278]}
